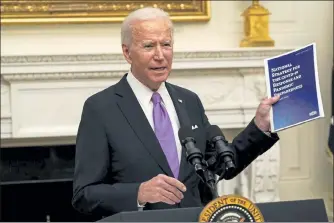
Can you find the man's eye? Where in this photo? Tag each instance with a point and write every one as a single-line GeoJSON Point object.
{"type": "Point", "coordinates": [167, 44]}
{"type": "Point", "coordinates": [147, 46]}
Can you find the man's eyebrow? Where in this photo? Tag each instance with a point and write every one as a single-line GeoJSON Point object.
{"type": "Point", "coordinates": [151, 42]}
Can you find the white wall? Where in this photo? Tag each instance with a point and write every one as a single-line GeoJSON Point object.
{"type": "Point", "coordinates": [305, 172]}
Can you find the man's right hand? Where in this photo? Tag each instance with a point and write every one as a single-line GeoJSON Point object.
{"type": "Point", "coordinates": [161, 188]}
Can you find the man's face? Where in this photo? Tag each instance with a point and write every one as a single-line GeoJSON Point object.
{"type": "Point", "coordinates": [151, 52]}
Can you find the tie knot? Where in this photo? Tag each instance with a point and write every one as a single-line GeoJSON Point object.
{"type": "Point", "coordinates": [156, 98]}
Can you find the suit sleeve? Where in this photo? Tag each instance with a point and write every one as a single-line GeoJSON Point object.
{"type": "Point", "coordinates": [248, 144]}
{"type": "Point", "coordinates": [91, 193]}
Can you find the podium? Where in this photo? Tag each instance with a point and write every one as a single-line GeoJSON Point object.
{"type": "Point", "coordinates": [285, 211]}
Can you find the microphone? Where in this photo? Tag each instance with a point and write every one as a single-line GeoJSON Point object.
{"type": "Point", "coordinates": [194, 155]}
{"type": "Point", "coordinates": [225, 154]}
{"type": "Point", "coordinates": [195, 158]}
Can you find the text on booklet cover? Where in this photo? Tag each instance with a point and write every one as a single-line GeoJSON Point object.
{"type": "Point", "coordinates": [294, 76]}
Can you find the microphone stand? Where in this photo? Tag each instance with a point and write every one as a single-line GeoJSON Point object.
{"type": "Point", "coordinates": [207, 176]}
{"type": "Point", "coordinates": [210, 181]}
{"type": "Point", "coordinates": [213, 165]}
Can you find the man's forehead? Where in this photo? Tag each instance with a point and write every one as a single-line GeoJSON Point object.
{"type": "Point", "coordinates": [149, 26]}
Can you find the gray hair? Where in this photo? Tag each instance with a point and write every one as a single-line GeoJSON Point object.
{"type": "Point", "coordinates": [142, 14]}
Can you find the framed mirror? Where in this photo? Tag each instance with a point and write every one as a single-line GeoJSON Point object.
{"type": "Point", "coordinates": [96, 11]}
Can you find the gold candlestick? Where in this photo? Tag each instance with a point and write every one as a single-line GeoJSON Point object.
{"type": "Point", "coordinates": [256, 26]}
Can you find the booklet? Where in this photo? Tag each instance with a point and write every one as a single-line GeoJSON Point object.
{"type": "Point", "coordinates": [294, 76]}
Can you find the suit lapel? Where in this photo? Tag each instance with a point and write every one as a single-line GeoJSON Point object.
{"type": "Point", "coordinates": [180, 107]}
{"type": "Point", "coordinates": [136, 118]}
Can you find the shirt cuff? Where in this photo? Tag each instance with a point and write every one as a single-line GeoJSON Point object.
{"type": "Point", "coordinates": [140, 206]}
{"type": "Point", "coordinates": [267, 133]}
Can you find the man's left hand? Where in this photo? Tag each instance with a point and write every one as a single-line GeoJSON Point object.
{"type": "Point", "coordinates": [262, 116]}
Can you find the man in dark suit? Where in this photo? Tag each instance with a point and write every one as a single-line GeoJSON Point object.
{"type": "Point", "coordinates": [128, 154]}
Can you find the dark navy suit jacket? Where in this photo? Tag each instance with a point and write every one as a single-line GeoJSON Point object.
{"type": "Point", "coordinates": [117, 150]}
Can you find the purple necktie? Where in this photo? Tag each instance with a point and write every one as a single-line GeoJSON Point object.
{"type": "Point", "coordinates": [164, 132]}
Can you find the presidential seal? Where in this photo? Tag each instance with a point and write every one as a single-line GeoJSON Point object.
{"type": "Point", "coordinates": [231, 208]}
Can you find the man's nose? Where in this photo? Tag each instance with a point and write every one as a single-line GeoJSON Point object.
{"type": "Point", "coordinates": [158, 53]}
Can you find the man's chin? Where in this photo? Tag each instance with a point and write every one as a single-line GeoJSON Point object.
{"type": "Point", "coordinates": [156, 82]}
{"type": "Point", "coordinates": [161, 79]}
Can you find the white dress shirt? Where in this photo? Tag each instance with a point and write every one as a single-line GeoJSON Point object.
{"type": "Point", "coordinates": [144, 95]}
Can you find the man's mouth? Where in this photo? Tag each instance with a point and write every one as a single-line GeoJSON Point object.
{"type": "Point", "coordinates": [158, 68]}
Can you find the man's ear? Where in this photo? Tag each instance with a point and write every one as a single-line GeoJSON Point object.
{"type": "Point", "coordinates": [126, 53]}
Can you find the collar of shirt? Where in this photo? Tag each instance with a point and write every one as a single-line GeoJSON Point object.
{"type": "Point", "coordinates": [143, 93]}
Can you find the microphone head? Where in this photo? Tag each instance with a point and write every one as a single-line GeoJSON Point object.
{"type": "Point", "coordinates": [186, 132]}
{"type": "Point", "coordinates": [213, 131]}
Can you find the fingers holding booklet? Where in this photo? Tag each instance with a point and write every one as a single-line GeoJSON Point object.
{"type": "Point", "coordinates": [262, 116]}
